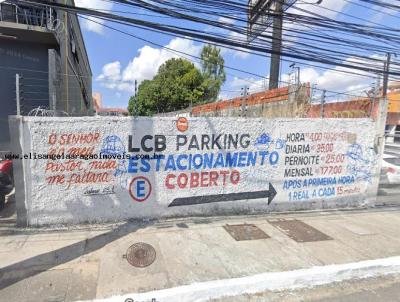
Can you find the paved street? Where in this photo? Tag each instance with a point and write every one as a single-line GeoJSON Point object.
{"type": "Point", "coordinates": [389, 194]}
{"type": "Point", "coordinates": [393, 149]}
{"type": "Point", "coordinates": [88, 262]}
{"type": "Point", "coordinates": [368, 290]}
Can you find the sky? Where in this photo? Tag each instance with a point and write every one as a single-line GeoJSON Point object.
{"type": "Point", "coordinates": [117, 60]}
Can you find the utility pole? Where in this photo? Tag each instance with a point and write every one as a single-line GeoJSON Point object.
{"type": "Point", "coordinates": [296, 74]}
{"type": "Point", "coordinates": [17, 92]}
{"type": "Point", "coordinates": [244, 94]}
{"type": "Point", "coordinates": [380, 123]}
{"type": "Point", "coordinates": [135, 98]}
{"type": "Point", "coordinates": [383, 104]}
{"type": "Point", "coordinates": [313, 89]}
{"type": "Point", "coordinates": [374, 95]}
{"type": "Point", "coordinates": [323, 103]}
{"type": "Point", "coordinates": [383, 107]}
{"type": "Point", "coordinates": [276, 45]}
{"type": "Point", "coordinates": [386, 75]}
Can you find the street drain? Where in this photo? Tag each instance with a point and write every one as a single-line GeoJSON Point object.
{"type": "Point", "coordinates": [242, 232]}
{"type": "Point", "coordinates": [140, 254]}
{"type": "Point", "coordinates": [298, 230]}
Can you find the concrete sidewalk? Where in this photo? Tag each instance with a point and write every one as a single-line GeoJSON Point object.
{"type": "Point", "coordinates": [88, 262]}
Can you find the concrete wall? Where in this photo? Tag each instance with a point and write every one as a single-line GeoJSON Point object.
{"type": "Point", "coordinates": [237, 164]}
{"type": "Point", "coordinates": [289, 101]}
{"type": "Point", "coordinates": [357, 108]}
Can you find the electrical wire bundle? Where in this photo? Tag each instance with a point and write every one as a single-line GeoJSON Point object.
{"type": "Point", "coordinates": [309, 38]}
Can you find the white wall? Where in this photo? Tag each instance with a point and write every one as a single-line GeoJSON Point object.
{"type": "Point", "coordinates": [343, 172]}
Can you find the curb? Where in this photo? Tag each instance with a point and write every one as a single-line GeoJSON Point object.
{"type": "Point", "coordinates": [273, 281]}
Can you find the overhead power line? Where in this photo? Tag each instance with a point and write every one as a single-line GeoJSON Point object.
{"type": "Point", "coordinates": [197, 58]}
{"type": "Point", "coordinates": [373, 9]}
{"type": "Point", "coordinates": [367, 64]}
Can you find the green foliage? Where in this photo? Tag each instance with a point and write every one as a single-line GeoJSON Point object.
{"type": "Point", "coordinates": [179, 84]}
{"type": "Point", "coordinates": [213, 71]}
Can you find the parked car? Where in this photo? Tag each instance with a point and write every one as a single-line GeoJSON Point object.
{"type": "Point", "coordinates": [390, 169]}
{"type": "Point", "coordinates": [6, 180]}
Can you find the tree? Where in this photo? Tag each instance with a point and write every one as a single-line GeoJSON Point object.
{"type": "Point", "coordinates": [145, 100]}
{"type": "Point", "coordinates": [177, 84]}
{"type": "Point", "coordinates": [212, 64]}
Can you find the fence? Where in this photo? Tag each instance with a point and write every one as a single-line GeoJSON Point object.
{"type": "Point", "coordinates": [296, 100]}
{"type": "Point", "coordinates": [42, 17]}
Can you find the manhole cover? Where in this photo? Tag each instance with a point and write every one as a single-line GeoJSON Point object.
{"type": "Point", "coordinates": [245, 232]}
{"type": "Point", "coordinates": [299, 231]}
{"type": "Point", "coordinates": [140, 254]}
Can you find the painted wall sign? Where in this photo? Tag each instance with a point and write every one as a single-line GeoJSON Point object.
{"type": "Point", "coordinates": [182, 124]}
{"type": "Point", "coordinates": [140, 188]}
{"type": "Point", "coordinates": [186, 201]}
{"type": "Point", "coordinates": [114, 169]}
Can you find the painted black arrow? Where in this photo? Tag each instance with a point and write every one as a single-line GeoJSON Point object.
{"type": "Point", "coordinates": [193, 200]}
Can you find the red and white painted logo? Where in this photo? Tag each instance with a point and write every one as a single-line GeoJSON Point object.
{"type": "Point", "coordinates": [182, 124]}
{"type": "Point", "coordinates": [140, 188]}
